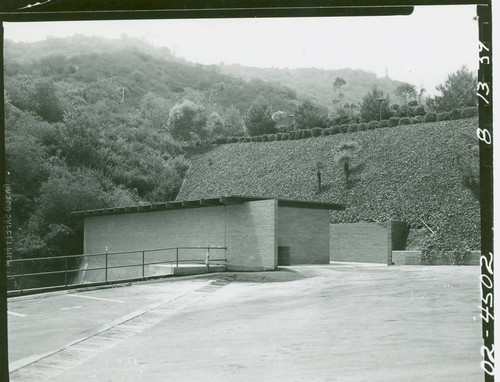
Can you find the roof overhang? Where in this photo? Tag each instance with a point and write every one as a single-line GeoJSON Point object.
{"type": "Point", "coordinates": [208, 202]}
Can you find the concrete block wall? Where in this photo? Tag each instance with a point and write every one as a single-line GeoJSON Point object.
{"type": "Point", "coordinates": [251, 232]}
{"type": "Point", "coordinates": [306, 232]}
{"type": "Point", "coordinates": [252, 236]}
{"type": "Point", "coordinates": [161, 229]}
{"type": "Point", "coordinates": [359, 242]}
{"type": "Point", "coordinates": [149, 230]}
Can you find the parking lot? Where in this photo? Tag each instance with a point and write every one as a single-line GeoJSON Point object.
{"type": "Point", "coordinates": [342, 322]}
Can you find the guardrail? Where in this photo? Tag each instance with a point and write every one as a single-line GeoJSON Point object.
{"type": "Point", "coordinates": [64, 271]}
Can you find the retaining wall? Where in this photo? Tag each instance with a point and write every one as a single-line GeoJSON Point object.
{"type": "Point", "coordinates": [366, 242]}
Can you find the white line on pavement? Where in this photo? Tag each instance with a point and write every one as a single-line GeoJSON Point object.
{"type": "Point", "coordinates": [16, 314]}
{"type": "Point", "coordinates": [72, 307]}
{"type": "Point", "coordinates": [94, 298]}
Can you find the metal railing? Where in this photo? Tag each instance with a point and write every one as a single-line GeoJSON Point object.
{"type": "Point", "coordinates": [73, 270]}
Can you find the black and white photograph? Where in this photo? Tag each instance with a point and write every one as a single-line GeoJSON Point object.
{"type": "Point", "coordinates": [249, 198]}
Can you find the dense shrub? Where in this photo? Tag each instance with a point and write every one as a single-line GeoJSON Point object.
{"type": "Point", "coordinates": [430, 117]}
{"type": "Point", "coordinates": [279, 136]}
{"type": "Point", "coordinates": [404, 121]}
{"type": "Point", "coordinates": [352, 127]}
{"type": "Point", "coordinates": [402, 113]}
{"type": "Point", "coordinates": [444, 116]}
{"type": "Point", "coordinates": [469, 112]}
{"type": "Point", "coordinates": [372, 125]}
{"type": "Point", "coordinates": [286, 136]}
{"type": "Point", "coordinates": [334, 130]}
{"type": "Point", "coordinates": [414, 120]}
{"type": "Point", "coordinates": [362, 126]}
{"type": "Point", "coordinates": [393, 121]}
{"type": "Point", "coordinates": [265, 137]}
{"type": "Point", "coordinates": [271, 137]}
{"type": "Point", "coordinates": [317, 131]}
{"type": "Point", "coordinates": [455, 114]}
{"type": "Point", "coordinates": [436, 251]}
{"type": "Point", "coordinates": [343, 128]}
{"type": "Point", "coordinates": [419, 110]}
{"type": "Point", "coordinates": [307, 133]}
{"type": "Point", "coordinates": [384, 123]}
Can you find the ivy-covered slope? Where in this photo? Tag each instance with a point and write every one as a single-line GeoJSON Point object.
{"type": "Point", "coordinates": [406, 173]}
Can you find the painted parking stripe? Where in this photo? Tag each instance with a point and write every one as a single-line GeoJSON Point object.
{"type": "Point", "coordinates": [16, 314]}
{"type": "Point", "coordinates": [95, 298]}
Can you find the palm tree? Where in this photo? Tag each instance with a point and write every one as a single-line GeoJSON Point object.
{"type": "Point", "coordinates": [346, 152]}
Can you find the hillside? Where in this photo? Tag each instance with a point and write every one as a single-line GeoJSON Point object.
{"type": "Point", "coordinates": [317, 84]}
{"type": "Point", "coordinates": [73, 63]}
{"type": "Point", "coordinates": [405, 173]}
{"type": "Point", "coordinates": [142, 68]}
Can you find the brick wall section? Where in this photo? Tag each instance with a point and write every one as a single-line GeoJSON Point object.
{"type": "Point", "coordinates": [148, 230]}
{"type": "Point", "coordinates": [306, 231]}
{"type": "Point", "coordinates": [359, 242]}
{"type": "Point", "coordinates": [406, 257]}
{"type": "Point", "coordinates": [252, 236]}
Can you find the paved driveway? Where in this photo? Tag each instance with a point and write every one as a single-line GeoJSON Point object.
{"type": "Point", "coordinates": [324, 323]}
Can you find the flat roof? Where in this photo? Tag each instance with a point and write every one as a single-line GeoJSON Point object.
{"type": "Point", "coordinates": [220, 201]}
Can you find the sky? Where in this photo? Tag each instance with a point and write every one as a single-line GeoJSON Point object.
{"type": "Point", "coordinates": [421, 49]}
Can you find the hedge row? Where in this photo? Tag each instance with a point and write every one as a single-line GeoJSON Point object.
{"type": "Point", "coordinates": [454, 114]}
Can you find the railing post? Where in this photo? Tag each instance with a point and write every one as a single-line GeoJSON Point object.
{"type": "Point", "coordinates": [106, 266]}
{"type": "Point", "coordinates": [177, 257]}
{"type": "Point", "coordinates": [207, 259]}
{"type": "Point", "coordinates": [142, 264]}
{"type": "Point", "coordinates": [22, 275]}
{"type": "Point", "coordinates": [66, 271]}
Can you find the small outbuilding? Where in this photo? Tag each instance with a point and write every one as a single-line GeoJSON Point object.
{"type": "Point", "coordinates": [256, 233]}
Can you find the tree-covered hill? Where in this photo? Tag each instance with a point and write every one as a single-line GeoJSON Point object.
{"type": "Point", "coordinates": [317, 84]}
{"type": "Point", "coordinates": [137, 69]}
{"type": "Point", "coordinates": [409, 173]}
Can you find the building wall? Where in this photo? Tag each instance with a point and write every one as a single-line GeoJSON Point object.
{"type": "Point", "coordinates": [360, 242]}
{"type": "Point", "coordinates": [307, 233]}
{"type": "Point", "coordinates": [251, 236]}
{"type": "Point", "coordinates": [150, 230]}
{"type": "Point", "coordinates": [161, 229]}
{"type": "Point", "coordinates": [247, 230]}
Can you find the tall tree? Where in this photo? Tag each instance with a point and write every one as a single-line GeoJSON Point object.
{"type": "Point", "coordinates": [187, 119]}
{"type": "Point", "coordinates": [346, 152]}
{"type": "Point", "coordinates": [459, 90]}
{"type": "Point", "coordinates": [308, 115]}
{"type": "Point", "coordinates": [375, 106]}
{"type": "Point", "coordinates": [406, 92]}
{"type": "Point", "coordinates": [258, 118]}
{"type": "Point", "coordinates": [337, 86]}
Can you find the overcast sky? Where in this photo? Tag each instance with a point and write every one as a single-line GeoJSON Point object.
{"type": "Point", "coordinates": [422, 48]}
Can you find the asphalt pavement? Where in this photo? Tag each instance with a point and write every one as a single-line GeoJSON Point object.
{"type": "Point", "coordinates": [343, 322]}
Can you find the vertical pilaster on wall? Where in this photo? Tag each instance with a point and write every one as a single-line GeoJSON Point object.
{"type": "Point", "coordinates": [275, 234]}
{"type": "Point", "coordinates": [389, 242]}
